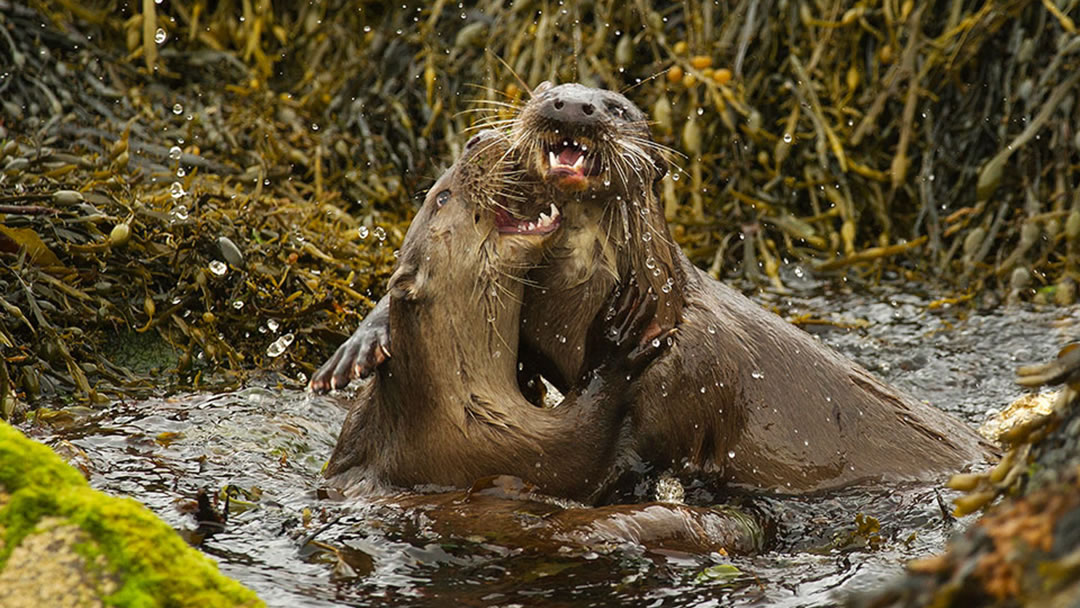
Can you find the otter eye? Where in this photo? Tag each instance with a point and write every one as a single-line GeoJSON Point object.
{"type": "Point", "coordinates": [442, 197]}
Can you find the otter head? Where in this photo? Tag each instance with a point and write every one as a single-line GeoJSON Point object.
{"type": "Point", "coordinates": [478, 231]}
{"type": "Point", "coordinates": [579, 138]}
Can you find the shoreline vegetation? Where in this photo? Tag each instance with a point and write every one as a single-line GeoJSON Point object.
{"type": "Point", "coordinates": [195, 192]}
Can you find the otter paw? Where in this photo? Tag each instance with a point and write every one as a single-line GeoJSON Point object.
{"type": "Point", "coordinates": [357, 357]}
{"type": "Point", "coordinates": [624, 335]}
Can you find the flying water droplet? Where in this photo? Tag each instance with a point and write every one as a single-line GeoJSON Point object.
{"type": "Point", "coordinates": [175, 152]}
{"type": "Point", "coordinates": [277, 347]}
{"type": "Point", "coordinates": [177, 191]}
{"type": "Point", "coordinates": [218, 268]}
{"type": "Point", "coordinates": [177, 109]}
{"type": "Point", "coordinates": [160, 36]}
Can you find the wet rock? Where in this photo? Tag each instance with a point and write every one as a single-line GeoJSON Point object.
{"type": "Point", "coordinates": [73, 546]}
{"type": "Point", "coordinates": [1025, 549]}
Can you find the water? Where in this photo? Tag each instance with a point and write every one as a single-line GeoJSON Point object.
{"type": "Point", "coordinates": [296, 544]}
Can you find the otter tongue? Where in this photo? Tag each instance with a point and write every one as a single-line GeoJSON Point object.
{"type": "Point", "coordinates": [570, 155]}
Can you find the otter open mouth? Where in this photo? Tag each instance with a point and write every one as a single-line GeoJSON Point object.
{"type": "Point", "coordinates": [571, 161]}
{"type": "Point", "coordinates": [545, 224]}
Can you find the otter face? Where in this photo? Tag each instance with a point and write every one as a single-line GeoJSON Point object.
{"type": "Point", "coordinates": [579, 138]}
{"type": "Point", "coordinates": [481, 222]}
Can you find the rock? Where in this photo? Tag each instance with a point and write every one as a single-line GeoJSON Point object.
{"type": "Point", "coordinates": [64, 544]}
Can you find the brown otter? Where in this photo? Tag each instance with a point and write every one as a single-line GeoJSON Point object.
{"type": "Point", "coordinates": [743, 395]}
{"type": "Point", "coordinates": [446, 410]}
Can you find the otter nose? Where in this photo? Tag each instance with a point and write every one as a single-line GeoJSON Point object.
{"type": "Point", "coordinates": [570, 109]}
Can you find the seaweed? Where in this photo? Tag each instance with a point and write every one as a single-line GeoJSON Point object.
{"type": "Point", "coordinates": [233, 177]}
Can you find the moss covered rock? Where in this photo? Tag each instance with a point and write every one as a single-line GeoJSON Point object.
{"type": "Point", "coordinates": [65, 544]}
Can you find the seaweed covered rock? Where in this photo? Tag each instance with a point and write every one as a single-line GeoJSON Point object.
{"type": "Point", "coordinates": [64, 544]}
{"type": "Point", "coordinates": [1025, 550]}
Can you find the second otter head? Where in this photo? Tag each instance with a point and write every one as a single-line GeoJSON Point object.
{"type": "Point", "coordinates": [580, 138]}
{"type": "Point", "coordinates": [480, 223]}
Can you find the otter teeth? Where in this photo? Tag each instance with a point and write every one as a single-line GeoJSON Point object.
{"type": "Point", "coordinates": [547, 220]}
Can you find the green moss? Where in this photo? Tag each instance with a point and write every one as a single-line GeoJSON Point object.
{"type": "Point", "coordinates": [152, 565]}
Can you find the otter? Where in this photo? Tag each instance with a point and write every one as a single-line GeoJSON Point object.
{"type": "Point", "coordinates": [743, 397]}
{"type": "Point", "coordinates": [446, 410]}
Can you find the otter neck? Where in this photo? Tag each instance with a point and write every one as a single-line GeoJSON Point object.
{"type": "Point", "coordinates": [456, 343]}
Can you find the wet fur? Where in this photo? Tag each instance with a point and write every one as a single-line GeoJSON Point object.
{"type": "Point", "coordinates": [779, 410]}
{"type": "Point", "coordinates": [445, 410]}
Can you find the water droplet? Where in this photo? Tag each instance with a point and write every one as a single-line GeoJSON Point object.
{"type": "Point", "coordinates": [731, 454]}
{"type": "Point", "coordinates": [159, 36]}
{"type": "Point", "coordinates": [380, 233]}
{"type": "Point", "coordinates": [756, 375]}
{"type": "Point", "coordinates": [314, 126]}
{"type": "Point", "coordinates": [646, 236]}
{"type": "Point", "coordinates": [180, 212]}
{"type": "Point", "coordinates": [239, 304]}
{"type": "Point", "coordinates": [650, 262]}
{"type": "Point", "coordinates": [787, 138]}
{"type": "Point", "coordinates": [277, 347]}
{"type": "Point", "coordinates": [362, 232]}
{"type": "Point", "coordinates": [218, 268]}
{"type": "Point", "coordinates": [703, 390]}
{"type": "Point", "coordinates": [177, 109]}
{"type": "Point", "coordinates": [177, 191]}
{"type": "Point", "coordinates": [656, 342]}
{"type": "Point", "coordinates": [175, 152]}
{"type": "Point", "coordinates": [180, 172]}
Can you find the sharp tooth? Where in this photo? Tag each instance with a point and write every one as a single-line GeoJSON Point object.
{"type": "Point", "coordinates": [554, 211]}
{"type": "Point", "coordinates": [530, 226]}
{"type": "Point", "coordinates": [579, 162]}
{"type": "Point", "coordinates": [551, 158]}
{"type": "Point", "coordinates": [544, 219]}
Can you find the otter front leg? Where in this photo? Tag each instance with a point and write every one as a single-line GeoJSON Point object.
{"type": "Point", "coordinates": [623, 338]}
{"type": "Point", "coordinates": [358, 356]}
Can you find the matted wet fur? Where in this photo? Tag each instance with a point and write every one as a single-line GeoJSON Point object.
{"type": "Point", "coordinates": [744, 397]}
{"type": "Point", "coordinates": [446, 409]}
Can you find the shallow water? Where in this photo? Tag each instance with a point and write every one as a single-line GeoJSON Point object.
{"type": "Point", "coordinates": [296, 547]}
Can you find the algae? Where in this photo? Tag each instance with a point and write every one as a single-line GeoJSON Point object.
{"type": "Point", "coordinates": [150, 564]}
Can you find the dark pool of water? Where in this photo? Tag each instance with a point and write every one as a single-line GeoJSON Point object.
{"type": "Point", "coordinates": [296, 547]}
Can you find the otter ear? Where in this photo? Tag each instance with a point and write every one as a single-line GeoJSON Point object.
{"type": "Point", "coordinates": [540, 88]}
{"type": "Point", "coordinates": [407, 283]}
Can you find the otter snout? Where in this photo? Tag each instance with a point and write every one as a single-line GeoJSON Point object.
{"type": "Point", "coordinates": [575, 106]}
